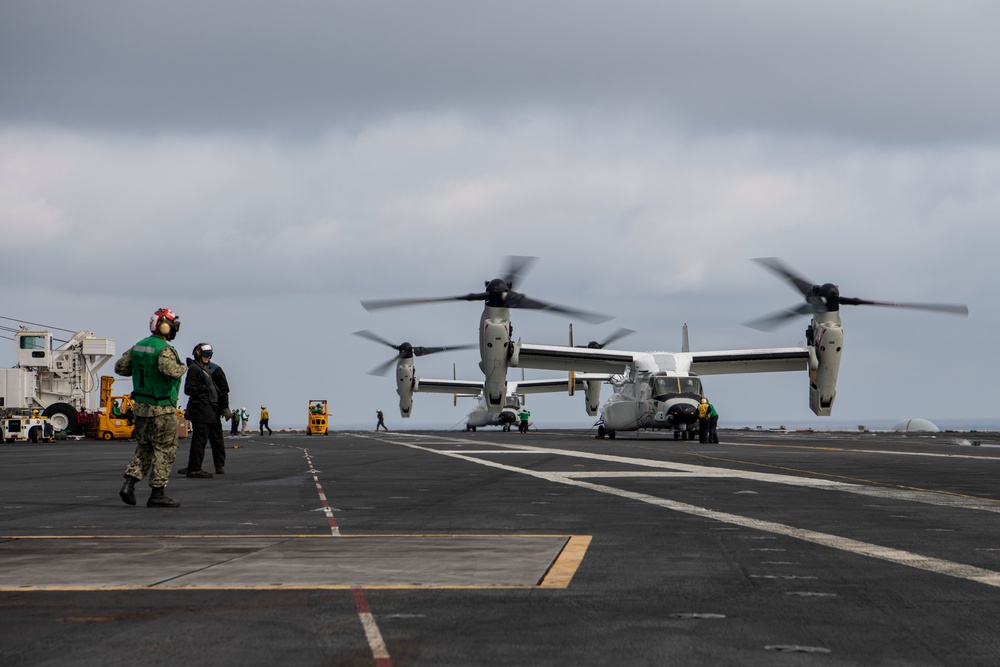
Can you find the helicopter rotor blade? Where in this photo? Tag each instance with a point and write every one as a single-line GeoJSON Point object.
{"type": "Point", "coordinates": [951, 308]}
{"type": "Point", "coordinates": [382, 369]}
{"type": "Point", "coordinates": [778, 267]}
{"type": "Point", "coordinates": [423, 351]}
{"type": "Point", "coordinates": [379, 304]}
{"type": "Point", "coordinates": [775, 320]}
{"type": "Point", "coordinates": [364, 333]}
{"type": "Point", "coordinates": [517, 300]}
{"type": "Point", "coordinates": [517, 266]}
{"type": "Point", "coordinates": [615, 335]}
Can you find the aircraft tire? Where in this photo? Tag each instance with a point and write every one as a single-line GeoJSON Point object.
{"type": "Point", "coordinates": [63, 416]}
{"type": "Point", "coordinates": [601, 432]}
{"type": "Point", "coordinates": [611, 435]}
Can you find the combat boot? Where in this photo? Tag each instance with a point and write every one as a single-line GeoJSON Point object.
{"type": "Point", "coordinates": [128, 490]}
{"type": "Point", "coordinates": [159, 499]}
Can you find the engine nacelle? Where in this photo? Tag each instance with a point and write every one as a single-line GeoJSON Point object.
{"type": "Point", "coordinates": [593, 391]}
{"type": "Point", "coordinates": [405, 383]}
{"type": "Point", "coordinates": [824, 366]}
{"type": "Point", "coordinates": [496, 358]}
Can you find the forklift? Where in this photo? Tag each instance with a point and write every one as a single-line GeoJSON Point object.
{"type": "Point", "coordinates": [317, 417]}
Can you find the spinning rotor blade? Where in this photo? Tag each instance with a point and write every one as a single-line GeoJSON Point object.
{"type": "Point", "coordinates": [422, 351]}
{"type": "Point", "coordinates": [951, 308]}
{"type": "Point", "coordinates": [797, 281]}
{"type": "Point", "coordinates": [378, 304]}
{"type": "Point", "coordinates": [364, 333]}
{"type": "Point", "coordinates": [405, 350]}
{"type": "Point", "coordinates": [383, 368]}
{"type": "Point", "coordinates": [517, 265]}
{"type": "Point", "coordinates": [620, 333]}
{"type": "Point", "coordinates": [517, 300]}
{"type": "Point", "coordinates": [827, 298]}
{"type": "Point", "coordinates": [775, 320]}
{"type": "Point", "coordinates": [499, 294]}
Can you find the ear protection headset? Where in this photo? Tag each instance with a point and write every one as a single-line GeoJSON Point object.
{"type": "Point", "coordinates": [165, 323]}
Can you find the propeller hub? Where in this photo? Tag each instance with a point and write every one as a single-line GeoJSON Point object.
{"type": "Point", "coordinates": [496, 292]}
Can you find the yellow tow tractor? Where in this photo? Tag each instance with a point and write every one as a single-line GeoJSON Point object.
{"type": "Point", "coordinates": [317, 417]}
{"type": "Point", "coordinates": [113, 419]}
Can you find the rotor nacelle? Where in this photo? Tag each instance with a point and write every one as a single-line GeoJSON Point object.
{"type": "Point", "coordinates": [496, 352]}
{"type": "Point", "coordinates": [592, 389]}
{"type": "Point", "coordinates": [826, 342]}
{"type": "Point", "coordinates": [405, 383]}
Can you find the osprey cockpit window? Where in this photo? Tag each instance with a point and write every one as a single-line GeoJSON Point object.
{"type": "Point", "coordinates": [676, 385]}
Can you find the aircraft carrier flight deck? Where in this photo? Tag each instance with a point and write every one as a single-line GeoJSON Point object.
{"type": "Point", "coordinates": [499, 548]}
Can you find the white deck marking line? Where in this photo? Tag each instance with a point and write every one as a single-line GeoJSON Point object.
{"type": "Point", "coordinates": [897, 556]}
{"type": "Point", "coordinates": [866, 451]}
{"type": "Point", "coordinates": [375, 641]}
{"type": "Point", "coordinates": [881, 492]}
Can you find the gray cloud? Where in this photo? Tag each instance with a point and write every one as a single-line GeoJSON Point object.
{"type": "Point", "coordinates": [875, 72]}
{"type": "Point", "coordinates": [261, 167]}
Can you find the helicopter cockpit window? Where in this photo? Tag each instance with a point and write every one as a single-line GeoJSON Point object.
{"type": "Point", "coordinates": [690, 385]}
{"type": "Point", "coordinates": [676, 385]}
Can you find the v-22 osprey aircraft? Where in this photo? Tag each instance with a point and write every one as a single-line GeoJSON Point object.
{"type": "Point", "coordinates": [495, 328]}
{"type": "Point", "coordinates": [660, 390]}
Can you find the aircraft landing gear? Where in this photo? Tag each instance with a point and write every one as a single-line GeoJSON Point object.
{"type": "Point", "coordinates": [601, 432]}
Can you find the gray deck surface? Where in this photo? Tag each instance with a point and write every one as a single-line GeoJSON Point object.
{"type": "Point", "coordinates": [493, 548]}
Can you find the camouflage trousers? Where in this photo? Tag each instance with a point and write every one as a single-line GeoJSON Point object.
{"type": "Point", "coordinates": [157, 449]}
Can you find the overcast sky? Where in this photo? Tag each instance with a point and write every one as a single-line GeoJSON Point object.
{"type": "Point", "coordinates": [262, 167]}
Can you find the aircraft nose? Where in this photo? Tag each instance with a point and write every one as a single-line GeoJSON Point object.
{"type": "Point", "coordinates": [683, 412]}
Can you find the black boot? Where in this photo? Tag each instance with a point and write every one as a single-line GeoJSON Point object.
{"type": "Point", "coordinates": [128, 490]}
{"type": "Point", "coordinates": [159, 499]}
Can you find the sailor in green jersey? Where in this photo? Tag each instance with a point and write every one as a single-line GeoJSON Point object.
{"type": "Point", "coordinates": [156, 370]}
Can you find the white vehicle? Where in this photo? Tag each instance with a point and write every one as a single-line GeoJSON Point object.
{"type": "Point", "coordinates": [59, 382]}
{"type": "Point", "coordinates": [33, 428]}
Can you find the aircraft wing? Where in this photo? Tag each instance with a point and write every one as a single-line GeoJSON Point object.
{"type": "Point", "coordinates": [449, 386]}
{"type": "Point", "coordinates": [556, 384]}
{"type": "Point", "coordinates": [770, 360]}
{"type": "Point", "coordinates": [584, 359]}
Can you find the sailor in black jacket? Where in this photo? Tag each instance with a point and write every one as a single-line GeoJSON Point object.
{"type": "Point", "coordinates": [208, 401]}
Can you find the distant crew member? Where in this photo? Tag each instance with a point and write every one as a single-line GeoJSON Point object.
{"type": "Point", "coordinates": [234, 422]}
{"type": "Point", "coordinates": [524, 415]}
{"type": "Point", "coordinates": [264, 417]}
{"type": "Point", "coordinates": [713, 424]}
{"type": "Point", "coordinates": [244, 419]}
{"type": "Point", "coordinates": [156, 371]}
{"type": "Point", "coordinates": [381, 420]}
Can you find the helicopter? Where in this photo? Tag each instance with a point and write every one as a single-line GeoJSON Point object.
{"type": "Point", "coordinates": [660, 389]}
{"type": "Point", "coordinates": [495, 329]}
